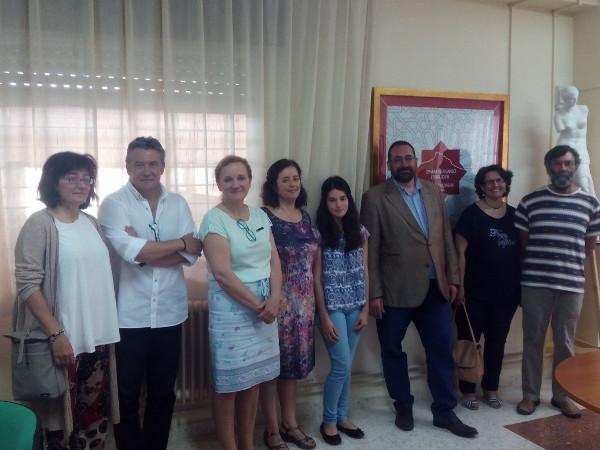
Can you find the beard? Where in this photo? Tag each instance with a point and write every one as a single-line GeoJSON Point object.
{"type": "Point", "coordinates": [561, 180]}
{"type": "Point", "coordinates": [404, 174]}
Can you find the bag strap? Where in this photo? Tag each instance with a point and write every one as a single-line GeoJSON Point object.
{"type": "Point", "coordinates": [21, 344]}
{"type": "Point", "coordinates": [469, 323]}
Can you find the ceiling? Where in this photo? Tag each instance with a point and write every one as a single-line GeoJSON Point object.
{"type": "Point", "coordinates": [569, 7]}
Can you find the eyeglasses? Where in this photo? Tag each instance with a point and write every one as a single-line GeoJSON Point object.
{"type": "Point", "coordinates": [406, 159]}
{"type": "Point", "coordinates": [74, 180]}
{"type": "Point", "coordinates": [154, 228]}
{"type": "Point", "coordinates": [494, 182]}
{"type": "Point", "coordinates": [249, 233]}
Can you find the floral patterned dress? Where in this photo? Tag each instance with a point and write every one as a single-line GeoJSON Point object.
{"type": "Point", "coordinates": [297, 244]}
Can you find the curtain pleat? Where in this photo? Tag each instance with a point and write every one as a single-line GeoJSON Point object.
{"type": "Point", "coordinates": [264, 79]}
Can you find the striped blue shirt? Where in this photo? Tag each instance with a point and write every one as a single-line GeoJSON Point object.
{"type": "Point", "coordinates": [558, 225]}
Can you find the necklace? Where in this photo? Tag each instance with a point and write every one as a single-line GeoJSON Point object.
{"type": "Point", "coordinates": [493, 207]}
{"type": "Point", "coordinates": [289, 215]}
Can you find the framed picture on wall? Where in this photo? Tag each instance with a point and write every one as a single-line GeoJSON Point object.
{"type": "Point", "coordinates": [453, 133]}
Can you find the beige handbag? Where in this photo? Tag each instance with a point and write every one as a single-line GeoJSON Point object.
{"type": "Point", "coordinates": [468, 356]}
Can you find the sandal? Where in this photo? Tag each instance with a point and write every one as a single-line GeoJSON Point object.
{"type": "Point", "coordinates": [493, 402]}
{"type": "Point", "coordinates": [471, 403]}
{"type": "Point", "coordinates": [305, 442]}
{"type": "Point", "coordinates": [279, 446]}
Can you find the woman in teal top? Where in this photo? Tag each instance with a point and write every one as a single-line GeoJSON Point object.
{"type": "Point", "coordinates": [243, 299]}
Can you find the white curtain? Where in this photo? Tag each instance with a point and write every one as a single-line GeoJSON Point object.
{"type": "Point", "coordinates": [264, 79]}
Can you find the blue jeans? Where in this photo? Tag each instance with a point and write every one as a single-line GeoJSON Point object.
{"type": "Point", "coordinates": [341, 353]}
{"type": "Point", "coordinates": [432, 319]}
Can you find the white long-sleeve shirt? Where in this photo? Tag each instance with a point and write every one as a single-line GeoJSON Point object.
{"type": "Point", "coordinates": [147, 296]}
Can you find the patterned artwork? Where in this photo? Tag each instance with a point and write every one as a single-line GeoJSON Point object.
{"type": "Point", "coordinates": [469, 130]}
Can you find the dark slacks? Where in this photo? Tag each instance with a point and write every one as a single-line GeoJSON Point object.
{"type": "Point", "coordinates": [493, 321]}
{"type": "Point", "coordinates": [151, 354]}
{"type": "Point", "coordinates": [432, 319]}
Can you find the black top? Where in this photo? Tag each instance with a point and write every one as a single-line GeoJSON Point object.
{"type": "Point", "coordinates": [492, 272]}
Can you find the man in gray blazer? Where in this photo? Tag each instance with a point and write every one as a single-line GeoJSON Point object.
{"type": "Point", "coordinates": [413, 277]}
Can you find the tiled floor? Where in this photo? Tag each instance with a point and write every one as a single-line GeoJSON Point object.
{"type": "Point", "coordinates": [561, 433]}
{"type": "Point", "coordinates": [372, 410]}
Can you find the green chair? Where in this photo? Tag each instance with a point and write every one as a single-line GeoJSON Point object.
{"type": "Point", "coordinates": [19, 428]}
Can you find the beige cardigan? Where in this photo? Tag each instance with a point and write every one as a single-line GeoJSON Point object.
{"type": "Point", "coordinates": [36, 268]}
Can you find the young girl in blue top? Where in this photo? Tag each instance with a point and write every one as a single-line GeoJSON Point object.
{"type": "Point", "coordinates": [341, 286]}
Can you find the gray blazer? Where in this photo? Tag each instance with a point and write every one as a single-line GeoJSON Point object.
{"type": "Point", "coordinates": [399, 251]}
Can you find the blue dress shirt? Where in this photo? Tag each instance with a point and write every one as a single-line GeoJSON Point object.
{"type": "Point", "coordinates": [414, 201]}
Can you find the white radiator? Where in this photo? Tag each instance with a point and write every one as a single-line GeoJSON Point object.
{"type": "Point", "coordinates": [194, 383]}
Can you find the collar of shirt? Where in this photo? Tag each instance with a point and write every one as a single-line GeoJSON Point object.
{"type": "Point", "coordinates": [403, 191]}
{"type": "Point", "coordinates": [163, 192]}
{"type": "Point", "coordinates": [414, 201]}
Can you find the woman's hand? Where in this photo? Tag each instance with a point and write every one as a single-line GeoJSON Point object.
{"type": "Point", "coordinates": [362, 321]}
{"type": "Point", "coordinates": [270, 308]}
{"type": "Point", "coordinates": [328, 329]}
{"type": "Point", "coordinates": [62, 351]}
{"type": "Point", "coordinates": [460, 296]}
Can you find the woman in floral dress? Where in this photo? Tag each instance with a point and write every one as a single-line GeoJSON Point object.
{"type": "Point", "coordinates": [297, 242]}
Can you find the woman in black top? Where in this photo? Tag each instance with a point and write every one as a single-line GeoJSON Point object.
{"type": "Point", "coordinates": [488, 255]}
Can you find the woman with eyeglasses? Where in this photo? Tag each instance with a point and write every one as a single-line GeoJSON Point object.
{"type": "Point", "coordinates": [488, 257]}
{"type": "Point", "coordinates": [65, 289]}
{"type": "Point", "coordinates": [244, 288]}
{"type": "Point", "coordinates": [297, 242]}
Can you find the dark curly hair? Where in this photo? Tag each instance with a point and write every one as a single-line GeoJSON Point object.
{"type": "Point", "coordinates": [330, 232]}
{"type": "Point", "coordinates": [506, 175]}
{"type": "Point", "coordinates": [269, 189]}
{"type": "Point", "coordinates": [560, 151]}
{"type": "Point", "coordinates": [56, 167]}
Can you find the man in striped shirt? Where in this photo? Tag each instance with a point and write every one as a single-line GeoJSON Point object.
{"type": "Point", "coordinates": [558, 225]}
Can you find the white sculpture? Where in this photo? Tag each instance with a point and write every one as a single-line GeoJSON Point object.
{"type": "Point", "coordinates": [570, 120]}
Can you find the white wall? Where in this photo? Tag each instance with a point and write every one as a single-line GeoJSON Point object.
{"type": "Point", "coordinates": [587, 79]}
{"type": "Point", "coordinates": [461, 45]}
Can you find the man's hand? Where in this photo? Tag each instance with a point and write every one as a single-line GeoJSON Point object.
{"type": "Point", "coordinates": [376, 308]}
{"type": "Point", "coordinates": [452, 292]}
{"type": "Point", "coordinates": [193, 246]}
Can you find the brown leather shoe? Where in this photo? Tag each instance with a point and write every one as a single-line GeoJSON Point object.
{"type": "Point", "coordinates": [527, 406]}
{"type": "Point", "coordinates": [567, 407]}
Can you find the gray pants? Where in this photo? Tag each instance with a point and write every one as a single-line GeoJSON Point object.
{"type": "Point", "coordinates": [540, 305]}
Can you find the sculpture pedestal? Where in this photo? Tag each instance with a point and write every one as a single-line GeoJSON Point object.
{"type": "Point", "coordinates": [588, 327]}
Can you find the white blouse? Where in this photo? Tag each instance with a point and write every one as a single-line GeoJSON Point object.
{"type": "Point", "coordinates": [85, 294]}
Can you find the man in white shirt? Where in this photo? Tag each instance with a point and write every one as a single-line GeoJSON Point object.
{"type": "Point", "coordinates": [151, 231]}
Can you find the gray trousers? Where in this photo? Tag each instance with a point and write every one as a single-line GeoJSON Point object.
{"type": "Point", "coordinates": [540, 306]}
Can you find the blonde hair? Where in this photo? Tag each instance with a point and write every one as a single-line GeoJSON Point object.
{"type": "Point", "coordinates": [231, 159]}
